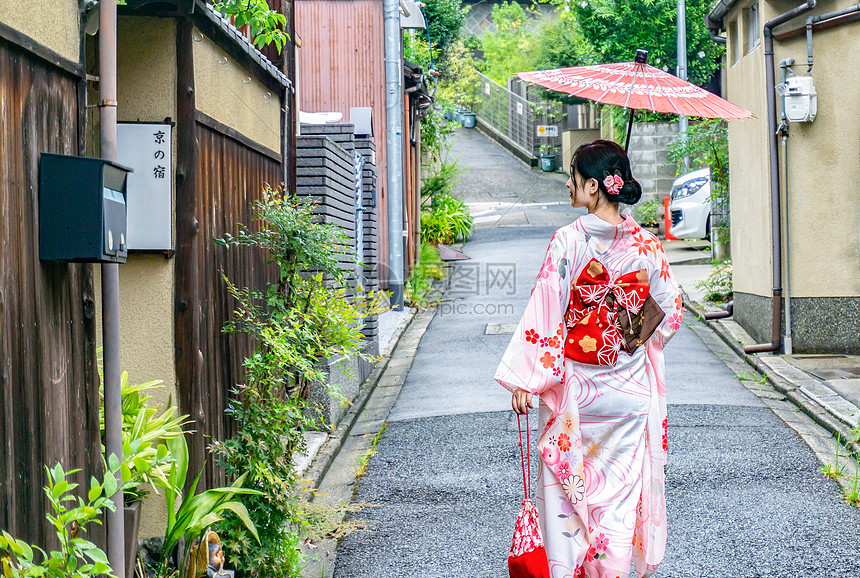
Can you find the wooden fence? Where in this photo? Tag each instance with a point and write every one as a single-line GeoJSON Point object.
{"type": "Point", "coordinates": [232, 172]}
{"type": "Point", "coordinates": [49, 394]}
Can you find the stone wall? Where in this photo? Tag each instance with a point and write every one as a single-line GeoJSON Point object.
{"type": "Point", "coordinates": [327, 174]}
{"type": "Point", "coordinates": [648, 157]}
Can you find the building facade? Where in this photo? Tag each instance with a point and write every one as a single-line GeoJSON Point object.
{"type": "Point", "coordinates": [819, 167]}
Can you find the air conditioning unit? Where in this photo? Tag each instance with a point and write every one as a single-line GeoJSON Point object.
{"type": "Point", "coordinates": [801, 100]}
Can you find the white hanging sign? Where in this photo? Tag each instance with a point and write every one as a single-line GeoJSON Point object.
{"type": "Point", "coordinates": [547, 130]}
{"type": "Point", "coordinates": [519, 108]}
{"type": "Point", "coordinates": [147, 149]}
{"type": "Point", "coordinates": [487, 88]}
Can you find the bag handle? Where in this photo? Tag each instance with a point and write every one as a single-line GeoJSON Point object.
{"type": "Point", "coordinates": [526, 457]}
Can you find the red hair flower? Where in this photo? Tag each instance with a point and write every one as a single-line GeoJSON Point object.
{"type": "Point", "coordinates": [613, 184]}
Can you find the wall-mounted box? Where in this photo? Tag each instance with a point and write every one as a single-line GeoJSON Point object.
{"type": "Point", "coordinates": [146, 148]}
{"type": "Point", "coordinates": [82, 209]}
{"type": "Point", "coordinates": [361, 118]}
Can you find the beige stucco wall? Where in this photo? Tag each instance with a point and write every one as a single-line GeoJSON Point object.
{"type": "Point", "coordinates": [823, 193]}
{"type": "Point", "coordinates": [749, 183]}
{"type": "Point", "coordinates": [823, 211]}
{"type": "Point", "coordinates": [229, 94]}
{"type": "Point", "coordinates": [146, 89]}
{"type": "Point", "coordinates": [571, 140]}
{"type": "Point", "coordinates": [52, 23]}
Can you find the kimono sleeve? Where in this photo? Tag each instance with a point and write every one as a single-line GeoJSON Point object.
{"type": "Point", "coordinates": [534, 359]}
{"type": "Point", "coordinates": [665, 290]}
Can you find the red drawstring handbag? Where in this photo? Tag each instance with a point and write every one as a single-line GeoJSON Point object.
{"type": "Point", "coordinates": [528, 557]}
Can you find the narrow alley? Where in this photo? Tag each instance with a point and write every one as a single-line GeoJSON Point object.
{"type": "Point", "coordinates": [745, 496]}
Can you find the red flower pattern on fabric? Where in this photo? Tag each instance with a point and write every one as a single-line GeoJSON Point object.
{"type": "Point", "coordinates": [640, 244]}
{"type": "Point", "coordinates": [666, 434]}
{"type": "Point", "coordinates": [532, 336]}
{"type": "Point", "coordinates": [548, 360]}
{"type": "Point", "coordinates": [564, 442]}
{"type": "Point", "coordinates": [664, 270]}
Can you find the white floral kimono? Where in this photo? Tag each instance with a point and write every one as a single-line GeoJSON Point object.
{"type": "Point", "coordinates": [603, 441]}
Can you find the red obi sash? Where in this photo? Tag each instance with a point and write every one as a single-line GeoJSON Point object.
{"type": "Point", "coordinates": [593, 334]}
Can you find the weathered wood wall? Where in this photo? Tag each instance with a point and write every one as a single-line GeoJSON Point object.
{"type": "Point", "coordinates": [231, 175]}
{"type": "Point", "coordinates": [48, 381]}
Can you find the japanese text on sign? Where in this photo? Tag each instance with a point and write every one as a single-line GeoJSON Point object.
{"type": "Point", "coordinates": [547, 130]}
{"type": "Point", "coordinates": [146, 147]}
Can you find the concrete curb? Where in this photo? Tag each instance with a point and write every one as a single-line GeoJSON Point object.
{"type": "Point", "coordinates": [330, 449]}
{"type": "Point", "coordinates": [782, 377]}
{"type": "Point", "coordinates": [335, 476]}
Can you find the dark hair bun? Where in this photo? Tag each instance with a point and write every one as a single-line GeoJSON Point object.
{"type": "Point", "coordinates": [601, 158]}
{"type": "Point", "coordinates": [630, 192]}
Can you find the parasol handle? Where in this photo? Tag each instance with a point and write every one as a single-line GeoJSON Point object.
{"type": "Point", "coordinates": [629, 130]}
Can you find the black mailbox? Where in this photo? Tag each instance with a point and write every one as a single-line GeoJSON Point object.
{"type": "Point", "coordinates": [82, 210]}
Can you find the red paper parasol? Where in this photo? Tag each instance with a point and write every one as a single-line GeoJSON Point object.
{"type": "Point", "coordinates": [636, 85]}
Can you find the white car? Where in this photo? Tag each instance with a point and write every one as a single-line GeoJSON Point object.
{"type": "Point", "coordinates": [690, 205]}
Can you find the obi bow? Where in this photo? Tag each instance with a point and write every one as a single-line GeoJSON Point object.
{"type": "Point", "coordinates": [592, 318]}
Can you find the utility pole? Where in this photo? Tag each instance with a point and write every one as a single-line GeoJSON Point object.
{"type": "Point", "coordinates": [110, 286]}
{"type": "Point", "coordinates": [394, 148]}
{"type": "Point", "coordinates": [682, 64]}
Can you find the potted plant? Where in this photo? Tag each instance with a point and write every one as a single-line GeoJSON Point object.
{"type": "Point", "coordinates": [547, 158]}
{"type": "Point", "coordinates": [189, 515]}
{"type": "Point", "coordinates": [646, 215]}
{"type": "Point", "coordinates": [146, 459]}
{"type": "Point", "coordinates": [468, 119]}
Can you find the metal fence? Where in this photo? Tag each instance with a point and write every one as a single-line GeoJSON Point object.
{"type": "Point", "coordinates": [508, 114]}
{"type": "Point", "coordinates": [517, 112]}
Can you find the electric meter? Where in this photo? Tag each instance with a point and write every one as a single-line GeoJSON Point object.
{"type": "Point", "coordinates": [801, 100]}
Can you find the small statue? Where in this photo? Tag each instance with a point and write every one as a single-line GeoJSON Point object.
{"type": "Point", "coordinates": [207, 558]}
{"type": "Point", "coordinates": [216, 561]}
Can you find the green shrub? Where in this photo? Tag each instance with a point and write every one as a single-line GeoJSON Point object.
{"type": "Point", "coordinates": [646, 213]}
{"type": "Point", "coordinates": [428, 268]}
{"type": "Point", "coordinates": [70, 516]}
{"type": "Point", "coordinates": [309, 315]}
{"type": "Point", "coordinates": [447, 221]}
{"type": "Point", "coordinates": [442, 182]}
{"type": "Point", "coordinates": [718, 285]}
{"type": "Point", "coordinates": [269, 431]}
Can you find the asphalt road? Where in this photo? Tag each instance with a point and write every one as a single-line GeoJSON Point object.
{"type": "Point", "coordinates": [745, 498]}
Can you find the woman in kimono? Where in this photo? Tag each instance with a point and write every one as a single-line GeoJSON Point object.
{"type": "Point", "coordinates": [602, 408]}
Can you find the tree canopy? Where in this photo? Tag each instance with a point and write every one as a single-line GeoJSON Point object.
{"type": "Point", "coordinates": [599, 31]}
{"type": "Point", "coordinates": [445, 20]}
{"type": "Point", "coordinates": [615, 29]}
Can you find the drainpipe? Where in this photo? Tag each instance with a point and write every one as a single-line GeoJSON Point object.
{"type": "Point", "coordinates": [813, 20]}
{"type": "Point", "coordinates": [728, 312]}
{"type": "Point", "coordinates": [715, 37]}
{"type": "Point", "coordinates": [775, 208]}
{"type": "Point", "coordinates": [714, 27]}
{"type": "Point", "coordinates": [394, 148]}
{"type": "Point", "coordinates": [110, 286]}
{"type": "Point", "coordinates": [785, 69]}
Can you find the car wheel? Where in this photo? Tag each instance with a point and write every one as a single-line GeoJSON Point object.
{"type": "Point", "coordinates": [708, 228]}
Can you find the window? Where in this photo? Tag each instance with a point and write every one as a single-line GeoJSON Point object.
{"type": "Point", "coordinates": [753, 38]}
{"type": "Point", "coordinates": [734, 42]}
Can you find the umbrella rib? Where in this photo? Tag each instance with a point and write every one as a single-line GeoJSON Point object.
{"type": "Point", "coordinates": [666, 94]}
{"type": "Point", "coordinates": [633, 85]}
{"type": "Point", "coordinates": [599, 99]}
{"type": "Point", "coordinates": [648, 91]}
